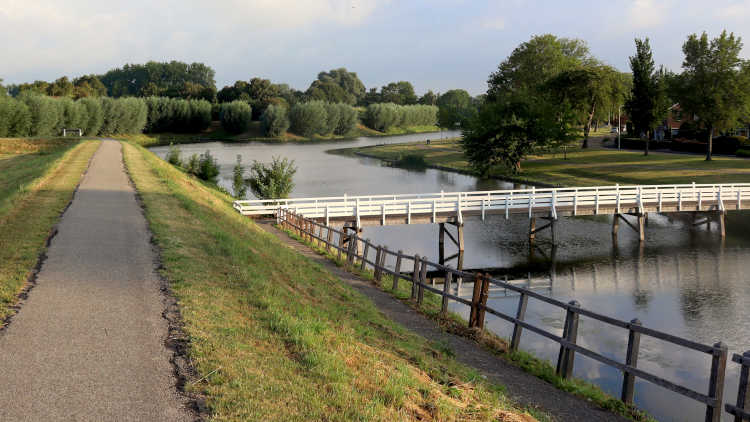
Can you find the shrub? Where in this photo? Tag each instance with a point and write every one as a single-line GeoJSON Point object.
{"type": "Point", "coordinates": [123, 115]}
{"type": "Point", "coordinates": [743, 153]}
{"type": "Point", "coordinates": [192, 164]}
{"type": "Point", "coordinates": [173, 155]}
{"type": "Point", "coordinates": [274, 121]}
{"type": "Point", "coordinates": [94, 116]}
{"type": "Point", "coordinates": [45, 114]}
{"type": "Point", "coordinates": [203, 167]}
{"type": "Point", "coordinates": [239, 187]}
{"type": "Point", "coordinates": [6, 114]}
{"type": "Point", "coordinates": [20, 120]}
{"type": "Point", "coordinates": [382, 116]}
{"type": "Point", "coordinates": [308, 119]}
{"type": "Point", "coordinates": [418, 115]}
{"type": "Point", "coordinates": [333, 115]}
{"type": "Point", "coordinates": [75, 114]}
{"type": "Point", "coordinates": [236, 116]}
{"type": "Point", "coordinates": [272, 181]}
{"type": "Point", "coordinates": [348, 118]}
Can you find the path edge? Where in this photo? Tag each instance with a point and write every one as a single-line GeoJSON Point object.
{"type": "Point", "coordinates": [176, 342]}
{"type": "Point", "coordinates": [31, 278]}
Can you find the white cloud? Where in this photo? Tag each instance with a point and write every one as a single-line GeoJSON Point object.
{"type": "Point", "coordinates": [644, 14]}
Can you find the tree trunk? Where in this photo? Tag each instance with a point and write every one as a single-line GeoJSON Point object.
{"type": "Point", "coordinates": [518, 166]}
{"type": "Point", "coordinates": [587, 126]}
{"type": "Point", "coordinates": [648, 140]}
{"type": "Point", "coordinates": [710, 146]}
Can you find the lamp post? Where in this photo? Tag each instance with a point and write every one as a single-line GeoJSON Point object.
{"type": "Point", "coordinates": [619, 126]}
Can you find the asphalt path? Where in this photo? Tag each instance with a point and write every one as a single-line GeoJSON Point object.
{"type": "Point", "coordinates": [88, 342]}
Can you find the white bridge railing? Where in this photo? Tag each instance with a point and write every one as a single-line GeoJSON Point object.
{"type": "Point", "coordinates": [610, 199]}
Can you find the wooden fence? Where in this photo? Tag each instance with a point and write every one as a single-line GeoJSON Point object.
{"type": "Point", "coordinates": [346, 247]}
{"type": "Point", "coordinates": [741, 410]}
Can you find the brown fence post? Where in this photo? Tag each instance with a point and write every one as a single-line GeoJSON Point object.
{"type": "Point", "coordinates": [329, 238]}
{"type": "Point", "coordinates": [350, 253]}
{"type": "Point", "coordinates": [446, 290]}
{"type": "Point", "coordinates": [319, 240]}
{"type": "Point", "coordinates": [363, 264]}
{"type": "Point", "coordinates": [570, 333]}
{"type": "Point", "coordinates": [378, 253]}
{"type": "Point", "coordinates": [383, 257]}
{"type": "Point", "coordinates": [716, 382]}
{"type": "Point", "coordinates": [475, 297]}
{"type": "Point", "coordinates": [631, 359]}
{"type": "Point", "coordinates": [397, 274]}
{"type": "Point", "coordinates": [341, 243]}
{"type": "Point", "coordinates": [422, 279]}
{"type": "Point", "coordinates": [520, 314]}
{"type": "Point", "coordinates": [743, 394]}
{"type": "Point", "coordinates": [415, 277]}
{"type": "Point", "coordinates": [483, 296]}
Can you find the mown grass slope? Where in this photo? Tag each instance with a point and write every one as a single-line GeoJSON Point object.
{"type": "Point", "coordinates": [37, 180]}
{"type": "Point", "coordinates": [277, 337]}
{"type": "Point", "coordinates": [584, 167]}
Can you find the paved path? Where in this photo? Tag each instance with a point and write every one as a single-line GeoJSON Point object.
{"type": "Point", "coordinates": [522, 387]}
{"type": "Point", "coordinates": [88, 343]}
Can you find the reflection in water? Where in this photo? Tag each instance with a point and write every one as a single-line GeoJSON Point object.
{"type": "Point", "coordinates": [683, 280]}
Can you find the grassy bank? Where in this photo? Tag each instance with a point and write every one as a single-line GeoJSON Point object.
{"type": "Point", "coordinates": [254, 133]}
{"type": "Point", "coordinates": [279, 338]}
{"type": "Point", "coordinates": [582, 167]}
{"type": "Point", "coordinates": [37, 180]}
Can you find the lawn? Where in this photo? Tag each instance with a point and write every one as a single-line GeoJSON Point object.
{"type": "Point", "coordinates": [37, 180]}
{"type": "Point", "coordinates": [582, 167]}
{"type": "Point", "coordinates": [276, 336]}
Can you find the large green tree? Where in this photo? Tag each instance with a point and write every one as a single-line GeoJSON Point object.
{"type": "Point", "coordinates": [401, 92]}
{"type": "Point", "coordinates": [172, 79]}
{"type": "Point", "coordinates": [715, 83]}
{"type": "Point", "coordinates": [646, 106]}
{"type": "Point", "coordinates": [352, 89]}
{"type": "Point", "coordinates": [455, 108]}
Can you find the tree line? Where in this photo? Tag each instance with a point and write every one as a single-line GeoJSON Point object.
{"type": "Point", "coordinates": [549, 89]}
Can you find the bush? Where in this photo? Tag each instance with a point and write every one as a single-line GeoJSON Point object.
{"type": "Point", "coordinates": [236, 116]}
{"type": "Point", "coordinates": [94, 116]}
{"type": "Point", "coordinates": [382, 116]}
{"type": "Point", "coordinates": [45, 112]}
{"type": "Point", "coordinates": [333, 115]}
{"type": "Point", "coordinates": [743, 153]}
{"type": "Point", "coordinates": [239, 187]}
{"type": "Point", "coordinates": [307, 119]}
{"type": "Point", "coordinates": [20, 120]}
{"type": "Point", "coordinates": [123, 115]}
{"type": "Point", "coordinates": [348, 118]}
{"type": "Point", "coordinates": [173, 155]}
{"type": "Point", "coordinates": [203, 167]}
{"type": "Point", "coordinates": [274, 121]}
{"type": "Point", "coordinates": [272, 181]}
{"type": "Point", "coordinates": [177, 115]}
{"type": "Point", "coordinates": [418, 115]}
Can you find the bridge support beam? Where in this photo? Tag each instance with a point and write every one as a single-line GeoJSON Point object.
{"type": "Point", "coordinates": [533, 230]}
{"type": "Point", "coordinates": [457, 240]}
{"type": "Point", "coordinates": [719, 216]}
{"type": "Point", "coordinates": [639, 228]}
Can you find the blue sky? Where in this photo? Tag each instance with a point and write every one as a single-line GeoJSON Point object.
{"type": "Point", "coordinates": [438, 44]}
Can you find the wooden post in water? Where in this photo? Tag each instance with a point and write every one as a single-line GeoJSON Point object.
{"type": "Point", "coordinates": [716, 382]}
{"type": "Point", "coordinates": [520, 314]}
{"type": "Point", "coordinates": [641, 227]}
{"type": "Point", "coordinates": [570, 333]}
{"type": "Point", "coordinates": [722, 224]}
{"type": "Point", "coordinates": [397, 275]}
{"type": "Point", "coordinates": [532, 229]}
{"type": "Point", "coordinates": [415, 277]}
{"type": "Point", "coordinates": [441, 244]}
{"type": "Point", "coordinates": [631, 359]}
{"type": "Point", "coordinates": [615, 224]}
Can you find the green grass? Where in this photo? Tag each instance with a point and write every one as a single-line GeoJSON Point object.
{"type": "Point", "coordinates": [276, 336]}
{"type": "Point", "coordinates": [37, 180]}
{"type": "Point", "coordinates": [582, 167]}
{"type": "Point", "coordinates": [254, 133]}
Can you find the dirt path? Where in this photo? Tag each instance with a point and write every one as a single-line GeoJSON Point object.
{"type": "Point", "coordinates": [88, 343]}
{"type": "Point", "coordinates": [524, 388]}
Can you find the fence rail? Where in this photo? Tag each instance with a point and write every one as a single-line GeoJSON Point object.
{"type": "Point", "coordinates": [741, 410]}
{"type": "Point", "coordinates": [346, 247]}
{"type": "Point", "coordinates": [569, 201]}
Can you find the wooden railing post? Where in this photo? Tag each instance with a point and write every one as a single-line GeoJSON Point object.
{"type": "Point", "coordinates": [483, 296]}
{"type": "Point", "coordinates": [446, 290]}
{"type": "Point", "coordinates": [570, 333]}
{"type": "Point", "coordinates": [415, 277]}
{"type": "Point", "coordinates": [422, 280]}
{"type": "Point", "coordinates": [329, 238]}
{"type": "Point", "coordinates": [475, 298]}
{"type": "Point", "coordinates": [743, 394]}
{"type": "Point", "coordinates": [631, 359]}
{"type": "Point", "coordinates": [716, 382]}
{"type": "Point", "coordinates": [363, 264]}
{"type": "Point", "coordinates": [397, 274]}
{"type": "Point", "coordinates": [341, 244]}
{"type": "Point", "coordinates": [520, 314]}
{"type": "Point", "coordinates": [350, 252]}
{"type": "Point", "coordinates": [377, 263]}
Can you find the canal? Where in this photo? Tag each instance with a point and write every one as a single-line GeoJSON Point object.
{"type": "Point", "coordinates": [683, 280]}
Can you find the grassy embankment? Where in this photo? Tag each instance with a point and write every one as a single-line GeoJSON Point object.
{"type": "Point", "coordinates": [277, 336]}
{"type": "Point", "coordinates": [37, 180]}
{"type": "Point", "coordinates": [581, 168]}
{"type": "Point", "coordinates": [254, 133]}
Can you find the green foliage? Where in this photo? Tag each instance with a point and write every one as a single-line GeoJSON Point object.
{"type": "Point", "coordinates": [333, 116]}
{"type": "Point", "coordinates": [455, 108]}
{"type": "Point", "coordinates": [177, 115]}
{"type": "Point", "coordinates": [173, 79]}
{"type": "Point", "coordinates": [401, 93]}
{"type": "Point", "coordinates": [203, 166]}
{"type": "Point", "coordinates": [94, 116]}
{"type": "Point", "coordinates": [46, 113]}
{"type": "Point", "coordinates": [348, 119]}
{"type": "Point", "coordinates": [123, 115]}
{"type": "Point", "coordinates": [647, 104]}
{"type": "Point", "coordinates": [337, 86]}
{"type": "Point", "coordinates": [384, 116]}
{"type": "Point", "coordinates": [235, 116]}
{"type": "Point", "coordinates": [174, 155]}
{"type": "Point", "coordinates": [239, 187]}
{"type": "Point", "coordinates": [744, 153]}
{"type": "Point", "coordinates": [715, 83]}
{"type": "Point", "coordinates": [275, 121]}
{"type": "Point", "coordinates": [274, 180]}
{"type": "Point", "coordinates": [429, 98]}
{"type": "Point", "coordinates": [309, 118]}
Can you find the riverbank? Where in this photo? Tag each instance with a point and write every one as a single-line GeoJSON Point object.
{"type": "Point", "coordinates": [38, 178]}
{"type": "Point", "coordinates": [575, 168]}
{"type": "Point", "coordinates": [275, 336]}
{"type": "Point", "coordinates": [255, 134]}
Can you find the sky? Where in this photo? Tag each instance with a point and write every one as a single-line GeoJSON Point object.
{"type": "Point", "coordinates": [434, 44]}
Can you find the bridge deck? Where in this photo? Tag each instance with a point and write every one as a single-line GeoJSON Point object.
{"type": "Point", "coordinates": [456, 206]}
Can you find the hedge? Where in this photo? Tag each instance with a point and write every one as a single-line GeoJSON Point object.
{"type": "Point", "coordinates": [274, 120]}
{"type": "Point", "coordinates": [384, 116]}
{"type": "Point", "coordinates": [177, 115]}
{"type": "Point", "coordinates": [236, 116]}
